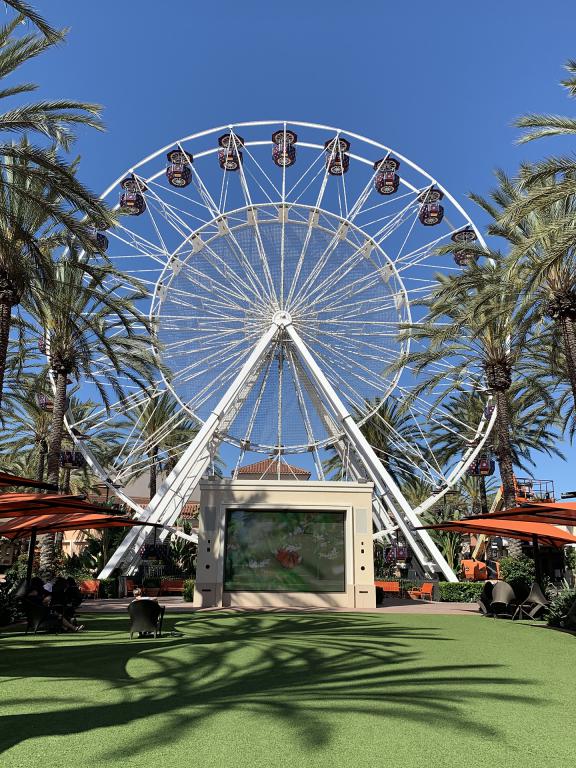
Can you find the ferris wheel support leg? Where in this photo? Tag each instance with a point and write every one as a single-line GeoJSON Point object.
{"type": "Point", "coordinates": [175, 491]}
{"type": "Point", "coordinates": [378, 473]}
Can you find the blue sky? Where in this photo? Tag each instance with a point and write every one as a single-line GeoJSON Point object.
{"type": "Point", "coordinates": [441, 82]}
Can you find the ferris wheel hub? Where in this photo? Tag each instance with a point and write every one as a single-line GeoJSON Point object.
{"type": "Point", "coordinates": [282, 318]}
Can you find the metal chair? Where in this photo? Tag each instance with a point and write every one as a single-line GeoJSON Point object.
{"type": "Point", "coordinates": [485, 599]}
{"type": "Point", "coordinates": [504, 600]}
{"type": "Point", "coordinates": [146, 616]}
{"type": "Point", "coordinates": [535, 604]}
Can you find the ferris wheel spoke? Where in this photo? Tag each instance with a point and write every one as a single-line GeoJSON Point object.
{"type": "Point", "coordinates": [143, 246]}
{"type": "Point", "coordinates": [316, 160]}
{"type": "Point", "coordinates": [304, 413]}
{"type": "Point", "coordinates": [404, 466]}
{"type": "Point", "coordinates": [275, 189]}
{"type": "Point", "coordinates": [258, 237]}
{"type": "Point", "coordinates": [335, 277]}
{"type": "Point", "coordinates": [162, 188]}
{"type": "Point", "coordinates": [406, 214]}
{"type": "Point", "coordinates": [424, 439]}
{"type": "Point", "coordinates": [218, 263]}
{"type": "Point", "coordinates": [208, 285]}
{"type": "Point", "coordinates": [415, 257]}
{"type": "Point", "coordinates": [226, 352]}
{"type": "Point", "coordinates": [312, 221]}
{"type": "Point", "coordinates": [391, 200]}
{"type": "Point", "coordinates": [258, 286]}
{"type": "Point", "coordinates": [322, 349]}
{"type": "Point", "coordinates": [409, 449]}
{"type": "Point", "coordinates": [352, 288]}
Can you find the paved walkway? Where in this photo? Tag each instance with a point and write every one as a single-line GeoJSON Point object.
{"type": "Point", "coordinates": [391, 605]}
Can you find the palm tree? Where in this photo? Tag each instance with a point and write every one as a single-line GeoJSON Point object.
{"type": "Point", "coordinates": [543, 251]}
{"type": "Point", "coordinates": [95, 334]}
{"type": "Point", "coordinates": [27, 429]}
{"type": "Point", "coordinates": [166, 432]}
{"type": "Point", "coordinates": [38, 188]}
{"type": "Point", "coordinates": [534, 425]}
{"type": "Point", "coordinates": [474, 321]}
{"type": "Point", "coordinates": [32, 226]}
{"type": "Point", "coordinates": [26, 12]}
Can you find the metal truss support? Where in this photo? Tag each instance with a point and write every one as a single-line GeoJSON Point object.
{"type": "Point", "coordinates": [175, 491]}
{"type": "Point", "coordinates": [380, 516]}
{"type": "Point", "coordinates": [425, 549]}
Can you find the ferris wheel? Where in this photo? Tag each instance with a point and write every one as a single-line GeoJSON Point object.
{"type": "Point", "coordinates": [280, 261]}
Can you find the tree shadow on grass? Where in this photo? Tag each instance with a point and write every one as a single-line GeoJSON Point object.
{"type": "Point", "coordinates": [299, 669]}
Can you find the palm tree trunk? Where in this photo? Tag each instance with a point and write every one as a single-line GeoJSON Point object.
{"type": "Point", "coordinates": [505, 463]}
{"type": "Point", "coordinates": [153, 472]}
{"type": "Point", "coordinates": [47, 543]}
{"type": "Point", "coordinates": [59, 536]}
{"type": "Point", "coordinates": [57, 429]}
{"type": "Point", "coordinates": [42, 461]}
{"type": "Point", "coordinates": [483, 497]}
{"type": "Point", "coordinates": [569, 336]}
{"type": "Point", "coordinates": [5, 321]}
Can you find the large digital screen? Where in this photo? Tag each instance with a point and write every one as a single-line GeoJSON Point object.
{"type": "Point", "coordinates": [284, 551]}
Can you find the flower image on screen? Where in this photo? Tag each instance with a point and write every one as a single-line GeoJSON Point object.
{"type": "Point", "coordinates": [284, 551]}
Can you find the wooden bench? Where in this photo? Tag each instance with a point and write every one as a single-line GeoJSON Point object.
{"type": "Point", "coordinates": [90, 588]}
{"type": "Point", "coordinates": [391, 588]}
{"type": "Point", "coordinates": [169, 586]}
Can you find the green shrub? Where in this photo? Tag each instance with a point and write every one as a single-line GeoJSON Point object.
{"type": "Point", "coordinates": [519, 572]}
{"type": "Point", "coordinates": [188, 593]}
{"type": "Point", "coordinates": [9, 608]}
{"type": "Point", "coordinates": [108, 588]}
{"type": "Point", "coordinates": [152, 582]}
{"type": "Point", "coordinates": [559, 607]}
{"type": "Point", "coordinates": [570, 557]}
{"type": "Point", "coordinates": [460, 592]}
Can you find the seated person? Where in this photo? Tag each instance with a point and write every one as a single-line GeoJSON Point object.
{"type": "Point", "coordinates": [56, 609]}
{"type": "Point", "coordinates": [137, 592]}
{"type": "Point", "coordinates": [36, 592]}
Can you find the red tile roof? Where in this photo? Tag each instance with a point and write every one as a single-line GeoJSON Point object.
{"type": "Point", "coordinates": [268, 469]}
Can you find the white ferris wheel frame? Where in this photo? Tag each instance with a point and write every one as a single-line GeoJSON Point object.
{"type": "Point", "coordinates": [390, 508]}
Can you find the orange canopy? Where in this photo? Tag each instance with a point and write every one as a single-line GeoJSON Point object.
{"type": "Point", "coordinates": [24, 527]}
{"type": "Point", "coordinates": [555, 513]}
{"type": "Point", "coordinates": [7, 480]}
{"type": "Point", "coordinates": [24, 504]}
{"type": "Point", "coordinates": [513, 529]}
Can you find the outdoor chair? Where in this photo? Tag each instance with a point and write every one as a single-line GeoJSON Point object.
{"type": "Point", "coordinates": [485, 599]}
{"type": "Point", "coordinates": [146, 616]}
{"type": "Point", "coordinates": [39, 617]}
{"type": "Point", "coordinates": [424, 593]}
{"type": "Point", "coordinates": [535, 604]}
{"type": "Point", "coordinates": [90, 588]}
{"type": "Point", "coordinates": [504, 601]}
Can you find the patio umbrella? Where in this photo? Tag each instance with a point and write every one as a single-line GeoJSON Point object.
{"type": "Point", "coordinates": [24, 504]}
{"type": "Point", "coordinates": [536, 532]}
{"type": "Point", "coordinates": [31, 525]}
{"type": "Point", "coordinates": [7, 480]}
{"type": "Point", "coordinates": [554, 513]}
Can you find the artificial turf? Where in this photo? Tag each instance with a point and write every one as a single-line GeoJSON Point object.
{"type": "Point", "coordinates": [300, 690]}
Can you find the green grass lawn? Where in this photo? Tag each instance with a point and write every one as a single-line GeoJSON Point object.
{"type": "Point", "coordinates": [298, 690]}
